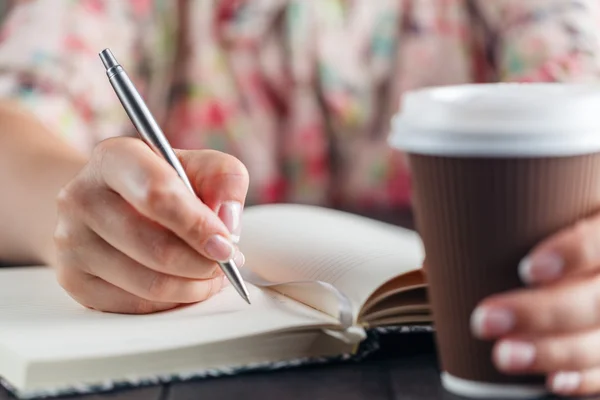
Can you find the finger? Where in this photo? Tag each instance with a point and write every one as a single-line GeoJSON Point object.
{"type": "Point", "coordinates": [221, 181]}
{"type": "Point", "coordinates": [571, 251]}
{"type": "Point", "coordinates": [96, 294]}
{"type": "Point", "coordinates": [146, 242]}
{"type": "Point", "coordinates": [153, 188]}
{"type": "Point", "coordinates": [97, 258]}
{"type": "Point", "coordinates": [575, 383]}
{"type": "Point", "coordinates": [567, 306]}
{"type": "Point", "coordinates": [88, 290]}
{"type": "Point", "coordinates": [547, 354]}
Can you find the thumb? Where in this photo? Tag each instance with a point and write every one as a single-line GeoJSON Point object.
{"type": "Point", "coordinates": [220, 181]}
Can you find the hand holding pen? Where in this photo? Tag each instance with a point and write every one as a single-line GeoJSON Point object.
{"type": "Point", "coordinates": [132, 238]}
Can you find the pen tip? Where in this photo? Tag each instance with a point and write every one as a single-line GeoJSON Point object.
{"type": "Point", "coordinates": [243, 291]}
{"type": "Point", "coordinates": [232, 273]}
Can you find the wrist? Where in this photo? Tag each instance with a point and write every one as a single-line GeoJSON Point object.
{"type": "Point", "coordinates": [34, 165]}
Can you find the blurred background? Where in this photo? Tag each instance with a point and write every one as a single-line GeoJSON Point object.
{"type": "Point", "coordinates": [302, 92]}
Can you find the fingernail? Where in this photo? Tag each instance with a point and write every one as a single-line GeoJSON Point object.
{"type": "Point", "coordinates": [230, 213]}
{"type": "Point", "coordinates": [219, 249]}
{"type": "Point", "coordinates": [513, 355]}
{"type": "Point", "coordinates": [541, 268]}
{"type": "Point", "coordinates": [239, 258]}
{"type": "Point", "coordinates": [565, 382]}
{"type": "Point", "coordinates": [489, 322]}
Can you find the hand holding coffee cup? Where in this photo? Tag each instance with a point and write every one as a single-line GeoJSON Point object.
{"type": "Point", "coordinates": [553, 326]}
{"type": "Point", "coordinates": [506, 183]}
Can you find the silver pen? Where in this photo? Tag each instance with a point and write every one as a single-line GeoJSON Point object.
{"type": "Point", "coordinates": [151, 133]}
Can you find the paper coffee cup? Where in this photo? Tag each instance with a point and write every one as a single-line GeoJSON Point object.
{"type": "Point", "coordinates": [496, 169]}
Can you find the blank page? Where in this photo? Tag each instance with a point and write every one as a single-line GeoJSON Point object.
{"type": "Point", "coordinates": [38, 320]}
{"type": "Point", "coordinates": [357, 255]}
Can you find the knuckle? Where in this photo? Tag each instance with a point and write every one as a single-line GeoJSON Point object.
{"type": "Point", "coordinates": [555, 354]}
{"type": "Point", "coordinates": [164, 251]}
{"type": "Point", "coordinates": [198, 228]}
{"type": "Point", "coordinates": [573, 355]}
{"type": "Point", "coordinates": [581, 358]}
{"type": "Point", "coordinates": [62, 238]}
{"type": "Point", "coordinates": [102, 149]}
{"type": "Point", "coordinates": [584, 250]}
{"type": "Point", "coordinates": [162, 198]}
{"type": "Point", "coordinates": [66, 198]}
{"type": "Point", "coordinates": [107, 146]}
{"type": "Point", "coordinates": [561, 315]}
{"type": "Point", "coordinates": [160, 287]}
{"type": "Point", "coordinates": [557, 313]}
{"type": "Point", "coordinates": [75, 198]}
{"type": "Point", "coordinates": [63, 198]}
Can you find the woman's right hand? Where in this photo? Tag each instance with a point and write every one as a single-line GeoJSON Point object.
{"type": "Point", "coordinates": [131, 238]}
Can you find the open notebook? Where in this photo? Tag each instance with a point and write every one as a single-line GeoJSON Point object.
{"type": "Point", "coordinates": [318, 280]}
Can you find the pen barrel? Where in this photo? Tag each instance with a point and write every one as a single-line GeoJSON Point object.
{"type": "Point", "coordinates": [142, 119]}
{"type": "Point", "coordinates": [150, 131]}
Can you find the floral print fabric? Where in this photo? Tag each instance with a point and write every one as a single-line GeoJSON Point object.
{"type": "Point", "coordinates": [301, 91]}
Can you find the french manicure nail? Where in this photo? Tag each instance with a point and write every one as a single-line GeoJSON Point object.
{"type": "Point", "coordinates": [239, 258]}
{"type": "Point", "coordinates": [490, 322]}
{"type": "Point", "coordinates": [219, 249]}
{"type": "Point", "coordinates": [230, 213]}
{"type": "Point", "coordinates": [565, 383]}
{"type": "Point", "coordinates": [514, 355]}
{"type": "Point", "coordinates": [541, 268]}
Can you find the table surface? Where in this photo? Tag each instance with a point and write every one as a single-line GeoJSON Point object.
{"type": "Point", "coordinates": [404, 368]}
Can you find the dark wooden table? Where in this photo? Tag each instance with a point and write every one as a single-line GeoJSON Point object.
{"type": "Point", "coordinates": [404, 368]}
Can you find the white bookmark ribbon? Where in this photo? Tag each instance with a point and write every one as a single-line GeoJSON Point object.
{"type": "Point", "coordinates": [345, 314]}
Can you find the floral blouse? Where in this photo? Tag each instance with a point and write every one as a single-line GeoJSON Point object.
{"type": "Point", "coordinates": [302, 91]}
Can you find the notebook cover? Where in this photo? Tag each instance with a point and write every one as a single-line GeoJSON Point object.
{"type": "Point", "coordinates": [366, 348]}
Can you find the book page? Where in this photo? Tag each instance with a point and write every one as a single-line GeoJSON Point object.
{"type": "Point", "coordinates": [38, 320]}
{"type": "Point", "coordinates": [284, 243]}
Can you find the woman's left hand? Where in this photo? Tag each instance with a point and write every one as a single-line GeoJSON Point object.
{"type": "Point", "coordinates": [553, 326]}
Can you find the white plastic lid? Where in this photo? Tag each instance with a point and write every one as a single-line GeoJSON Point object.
{"type": "Point", "coordinates": [506, 119]}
